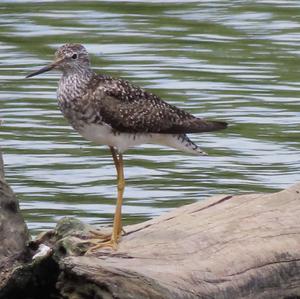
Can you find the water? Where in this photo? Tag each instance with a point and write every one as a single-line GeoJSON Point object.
{"type": "Point", "coordinates": [231, 60]}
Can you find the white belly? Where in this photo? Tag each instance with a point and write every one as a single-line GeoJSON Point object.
{"type": "Point", "coordinates": [104, 135]}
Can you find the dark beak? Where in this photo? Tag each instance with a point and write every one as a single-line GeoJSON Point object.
{"type": "Point", "coordinates": [44, 69]}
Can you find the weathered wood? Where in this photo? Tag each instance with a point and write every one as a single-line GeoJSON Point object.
{"type": "Point", "coordinates": [244, 246]}
{"type": "Point", "coordinates": [13, 230]}
{"type": "Point", "coordinates": [223, 247]}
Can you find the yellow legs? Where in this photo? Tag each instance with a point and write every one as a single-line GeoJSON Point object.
{"type": "Point", "coordinates": [117, 226]}
{"type": "Point", "coordinates": [103, 240]}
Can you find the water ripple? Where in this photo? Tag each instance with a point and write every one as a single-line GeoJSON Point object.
{"type": "Point", "coordinates": [217, 59]}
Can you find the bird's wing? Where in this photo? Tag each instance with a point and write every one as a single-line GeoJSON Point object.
{"type": "Point", "coordinates": [128, 108]}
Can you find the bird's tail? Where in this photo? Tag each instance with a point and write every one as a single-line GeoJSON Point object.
{"type": "Point", "coordinates": [180, 142]}
{"type": "Point", "coordinates": [194, 125]}
{"type": "Point", "coordinates": [198, 125]}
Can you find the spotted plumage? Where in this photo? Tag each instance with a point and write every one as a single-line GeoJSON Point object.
{"type": "Point", "coordinates": [113, 111]}
{"type": "Point", "coordinates": [119, 114]}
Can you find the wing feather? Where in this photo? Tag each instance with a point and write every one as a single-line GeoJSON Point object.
{"type": "Point", "coordinates": [128, 108]}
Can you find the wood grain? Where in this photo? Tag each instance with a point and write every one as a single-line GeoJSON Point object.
{"type": "Point", "coordinates": [245, 246]}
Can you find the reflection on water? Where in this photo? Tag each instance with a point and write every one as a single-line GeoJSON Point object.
{"type": "Point", "coordinates": [218, 59]}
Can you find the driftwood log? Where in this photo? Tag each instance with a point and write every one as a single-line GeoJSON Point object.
{"type": "Point", "coordinates": [244, 246]}
{"type": "Point", "coordinates": [13, 231]}
{"type": "Point", "coordinates": [226, 246]}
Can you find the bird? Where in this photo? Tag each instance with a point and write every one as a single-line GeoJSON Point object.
{"type": "Point", "coordinates": [117, 113]}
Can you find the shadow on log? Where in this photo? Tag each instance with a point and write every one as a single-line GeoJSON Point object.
{"type": "Point", "coordinates": [226, 246]}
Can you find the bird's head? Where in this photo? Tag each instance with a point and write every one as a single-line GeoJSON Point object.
{"type": "Point", "coordinates": [68, 58]}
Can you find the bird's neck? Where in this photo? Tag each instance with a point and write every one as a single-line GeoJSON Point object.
{"type": "Point", "coordinates": [73, 83]}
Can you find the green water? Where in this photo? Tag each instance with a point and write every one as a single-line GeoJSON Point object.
{"type": "Point", "coordinates": [231, 60]}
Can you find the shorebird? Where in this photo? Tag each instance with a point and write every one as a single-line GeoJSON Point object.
{"type": "Point", "coordinates": [112, 111]}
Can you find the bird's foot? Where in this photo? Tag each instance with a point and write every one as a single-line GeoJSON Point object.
{"type": "Point", "coordinates": [100, 235]}
{"type": "Point", "coordinates": [98, 244]}
{"type": "Point", "coordinates": [102, 240]}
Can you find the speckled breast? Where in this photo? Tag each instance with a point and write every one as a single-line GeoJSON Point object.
{"type": "Point", "coordinates": [76, 104]}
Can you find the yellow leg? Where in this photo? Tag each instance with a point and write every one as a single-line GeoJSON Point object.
{"type": "Point", "coordinates": [103, 241]}
{"type": "Point", "coordinates": [117, 227]}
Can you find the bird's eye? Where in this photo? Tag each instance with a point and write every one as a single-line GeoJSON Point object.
{"type": "Point", "coordinates": [74, 56]}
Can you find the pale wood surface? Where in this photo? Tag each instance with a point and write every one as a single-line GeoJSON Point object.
{"type": "Point", "coordinates": [226, 246]}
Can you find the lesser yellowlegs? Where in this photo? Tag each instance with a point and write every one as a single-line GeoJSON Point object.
{"type": "Point", "coordinates": [114, 112]}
